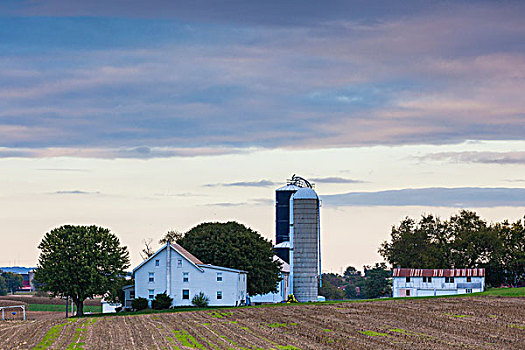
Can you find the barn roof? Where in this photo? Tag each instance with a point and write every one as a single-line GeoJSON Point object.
{"type": "Point", "coordinates": [404, 272]}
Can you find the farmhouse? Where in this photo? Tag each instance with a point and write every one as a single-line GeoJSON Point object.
{"type": "Point", "coordinates": [175, 271]}
{"type": "Point", "coordinates": [427, 282]}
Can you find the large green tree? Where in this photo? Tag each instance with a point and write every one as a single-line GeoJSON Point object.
{"type": "Point", "coordinates": [80, 262]}
{"type": "Point", "coordinates": [236, 246]}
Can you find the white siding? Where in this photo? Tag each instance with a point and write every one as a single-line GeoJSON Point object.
{"type": "Point", "coordinates": [436, 286]}
{"type": "Point", "coordinates": [201, 278]}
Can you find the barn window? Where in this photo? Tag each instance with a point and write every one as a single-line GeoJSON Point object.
{"type": "Point", "coordinates": [157, 262]}
{"type": "Point", "coordinates": [152, 277]}
{"type": "Point", "coordinates": [186, 294]}
{"type": "Point", "coordinates": [407, 279]}
{"type": "Point", "coordinates": [179, 263]}
{"type": "Point", "coordinates": [186, 277]}
{"type": "Point", "coordinates": [469, 290]}
{"type": "Point", "coordinates": [449, 279]}
{"type": "Point", "coordinates": [407, 293]}
{"type": "Point", "coordinates": [151, 294]}
{"type": "Point", "coordinates": [219, 294]}
{"type": "Point", "coordinates": [469, 279]}
{"type": "Point", "coordinates": [219, 276]}
{"type": "Point", "coordinates": [427, 279]}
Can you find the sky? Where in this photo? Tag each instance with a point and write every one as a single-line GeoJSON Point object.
{"type": "Point", "coordinates": [149, 116]}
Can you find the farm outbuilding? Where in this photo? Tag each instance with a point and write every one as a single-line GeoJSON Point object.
{"type": "Point", "coordinates": [175, 271]}
{"type": "Point", "coordinates": [428, 282]}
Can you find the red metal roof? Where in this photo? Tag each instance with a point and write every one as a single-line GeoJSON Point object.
{"type": "Point", "coordinates": [401, 272]}
{"type": "Point", "coordinates": [186, 254]}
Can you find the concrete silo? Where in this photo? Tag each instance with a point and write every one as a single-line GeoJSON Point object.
{"type": "Point", "coordinates": [298, 236]}
{"type": "Point", "coordinates": [305, 244]}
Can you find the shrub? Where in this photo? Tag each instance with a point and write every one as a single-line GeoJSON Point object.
{"type": "Point", "coordinates": [139, 304]}
{"type": "Point", "coordinates": [161, 301]}
{"type": "Point", "coordinates": [200, 300]}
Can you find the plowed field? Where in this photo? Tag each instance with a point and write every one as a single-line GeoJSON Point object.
{"type": "Point", "coordinates": [444, 323]}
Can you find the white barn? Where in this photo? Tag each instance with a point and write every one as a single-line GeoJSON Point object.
{"type": "Point", "coordinates": [175, 271]}
{"type": "Point", "coordinates": [428, 282]}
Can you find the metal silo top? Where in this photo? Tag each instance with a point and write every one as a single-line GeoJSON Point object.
{"type": "Point", "coordinates": [305, 193]}
{"type": "Point", "coordinates": [289, 188]}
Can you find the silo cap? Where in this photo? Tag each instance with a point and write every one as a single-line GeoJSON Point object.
{"type": "Point", "coordinates": [288, 188]}
{"type": "Point", "coordinates": [305, 193]}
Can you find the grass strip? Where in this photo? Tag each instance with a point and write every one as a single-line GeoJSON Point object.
{"type": "Point", "coordinates": [61, 308]}
{"type": "Point", "coordinates": [51, 336]}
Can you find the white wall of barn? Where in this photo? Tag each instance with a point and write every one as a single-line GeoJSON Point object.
{"type": "Point", "coordinates": [437, 286]}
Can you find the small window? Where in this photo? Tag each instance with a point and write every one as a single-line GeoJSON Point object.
{"type": "Point", "coordinates": [469, 279]}
{"type": "Point", "coordinates": [407, 293]}
{"type": "Point", "coordinates": [152, 277]}
{"type": "Point", "coordinates": [427, 279]}
{"type": "Point", "coordinates": [179, 263]}
{"type": "Point", "coordinates": [219, 294]}
{"type": "Point", "coordinates": [186, 277]}
{"type": "Point", "coordinates": [469, 290]}
{"type": "Point", "coordinates": [186, 294]}
{"type": "Point", "coordinates": [449, 279]}
{"type": "Point", "coordinates": [151, 294]}
{"type": "Point", "coordinates": [219, 276]}
{"type": "Point", "coordinates": [157, 263]}
{"type": "Point", "coordinates": [424, 279]}
{"type": "Point", "coordinates": [407, 279]}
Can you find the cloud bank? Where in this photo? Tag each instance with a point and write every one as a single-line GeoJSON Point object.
{"type": "Point", "coordinates": [175, 79]}
{"type": "Point", "coordinates": [461, 197]}
{"type": "Point", "coordinates": [479, 157]}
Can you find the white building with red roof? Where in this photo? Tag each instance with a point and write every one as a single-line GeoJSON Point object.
{"type": "Point", "coordinates": [175, 271]}
{"type": "Point", "coordinates": [428, 282]}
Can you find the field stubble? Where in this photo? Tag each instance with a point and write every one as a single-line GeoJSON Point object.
{"type": "Point", "coordinates": [445, 323]}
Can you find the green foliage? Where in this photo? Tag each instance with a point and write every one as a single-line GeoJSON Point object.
{"type": "Point", "coordinates": [236, 246]}
{"type": "Point", "coordinates": [171, 236]}
{"type": "Point", "coordinates": [13, 281]}
{"type": "Point", "coordinates": [116, 294]}
{"type": "Point", "coordinates": [376, 283]}
{"type": "Point", "coordinates": [463, 241]}
{"type": "Point", "coordinates": [80, 262]}
{"type": "Point", "coordinates": [331, 287]}
{"type": "Point", "coordinates": [200, 300]}
{"type": "Point", "coordinates": [3, 286]}
{"type": "Point", "coordinates": [138, 304]}
{"type": "Point", "coordinates": [161, 302]}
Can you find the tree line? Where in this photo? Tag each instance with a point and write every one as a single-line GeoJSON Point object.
{"type": "Point", "coordinates": [9, 282]}
{"type": "Point", "coordinates": [462, 241]}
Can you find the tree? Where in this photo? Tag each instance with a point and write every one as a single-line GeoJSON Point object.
{"type": "Point", "coordinates": [3, 286]}
{"type": "Point", "coordinates": [13, 281]}
{"type": "Point", "coordinates": [116, 294]}
{"type": "Point", "coordinates": [235, 246]}
{"type": "Point", "coordinates": [147, 251]}
{"type": "Point", "coordinates": [80, 262]}
{"type": "Point", "coordinates": [331, 288]}
{"type": "Point", "coordinates": [377, 282]}
{"type": "Point", "coordinates": [170, 236]}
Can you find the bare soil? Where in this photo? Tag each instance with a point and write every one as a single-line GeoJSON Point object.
{"type": "Point", "coordinates": [443, 323]}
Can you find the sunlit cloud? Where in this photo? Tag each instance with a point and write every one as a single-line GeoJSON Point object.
{"type": "Point", "coordinates": [478, 157]}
